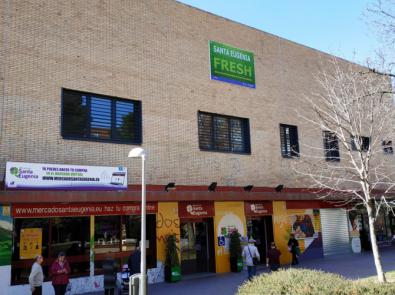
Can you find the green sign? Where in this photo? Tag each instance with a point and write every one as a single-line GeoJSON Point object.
{"type": "Point", "coordinates": [232, 65]}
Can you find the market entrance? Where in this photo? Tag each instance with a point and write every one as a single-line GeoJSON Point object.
{"type": "Point", "coordinates": [197, 237]}
{"type": "Point", "coordinates": [197, 246]}
{"type": "Point", "coordinates": [260, 225]}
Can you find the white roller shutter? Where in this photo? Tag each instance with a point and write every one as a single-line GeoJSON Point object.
{"type": "Point", "coordinates": [335, 235]}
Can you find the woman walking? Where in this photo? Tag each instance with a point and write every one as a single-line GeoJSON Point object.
{"type": "Point", "coordinates": [36, 276]}
{"type": "Point", "coordinates": [251, 256]}
{"type": "Point", "coordinates": [60, 271]}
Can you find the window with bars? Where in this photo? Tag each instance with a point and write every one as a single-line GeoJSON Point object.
{"type": "Point", "coordinates": [96, 117]}
{"type": "Point", "coordinates": [223, 133]}
{"type": "Point", "coordinates": [289, 141]}
{"type": "Point", "coordinates": [387, 147]}
{"type": "Point", "coordinates": [331, 146]}
{"type": "Point", "coordinates": [362, 141]}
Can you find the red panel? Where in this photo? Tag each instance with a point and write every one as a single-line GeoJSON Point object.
{"type": "Point", "coordinates": [195, 209]}
{"type": "Point", "coordinates": [258, 208]}
{"type": "Point", "coordinates": [310, 205]}
{"type": "Point", "coordinates": [81, 209]}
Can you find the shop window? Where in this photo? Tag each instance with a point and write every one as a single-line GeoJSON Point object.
{"type": "Point", "coordinates": [387, 147]}
{"type": "Point", "coordinates": [362, 141]}
{"type": "Point", "coordinates": [23, 248]}
{"type": "Point", "coordinates": [223, 133]}
{"type": "Point", "coordinates": [101, 118]}
{"type": "Point", "coordinates": [289, 141]}
{"type": "Point", "coordinates": [331, 146]}
{"type": "Point", "coordinates": [107, 237]}
{"type": "Point", "coordinates": [71, 235]}
{"type": "Point", "coordinates": [119, 236]}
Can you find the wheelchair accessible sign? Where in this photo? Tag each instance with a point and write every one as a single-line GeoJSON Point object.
{"type": "Point", "coordinates": [232, 65]}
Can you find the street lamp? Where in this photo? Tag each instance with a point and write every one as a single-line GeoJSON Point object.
{"type": "Point", "coordinates": [140, 153]}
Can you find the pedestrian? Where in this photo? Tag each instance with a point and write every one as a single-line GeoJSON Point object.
{"type": "Point", "coordinates": [36, 276]}
{"type": "Point", "coordinates": [273, 257]}
{"type": "Point", "coordinates": [134, 261]}
{"type": "Point", "coordinates": [251, 256]}
{"type": "Point", "coordinates": [110, 276]}
{"type": "Point", "coordinates": [293, 247]}
{"type": "Point", "coordinates": [60, 271]}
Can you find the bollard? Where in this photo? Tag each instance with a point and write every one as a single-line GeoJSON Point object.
{"type": "Point", "coordinates": [134, 282]}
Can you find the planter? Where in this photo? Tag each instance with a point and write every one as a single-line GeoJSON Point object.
{"type": "Point", "coordinates": [172, 274]}
{"type": "Point", "coordinates": [233, 264]}
{"type": "Point", "coordinates": [239, 264]}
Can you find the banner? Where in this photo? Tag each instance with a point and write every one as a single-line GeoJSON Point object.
{"type": "Point", "coordinates": [82, 209]}
{"type": "Point", "coordinates": [30, 243]}
{"type": "Point", "coordinates": [232, 65]}
{"type": "Point", "coordinates": [195, 209]}
{"type": "Point", "coordinates": [70, 177]}
{"type": "Point", "coordinates": [258, 208]}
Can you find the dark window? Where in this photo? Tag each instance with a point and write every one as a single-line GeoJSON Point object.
{"type": "Point", "coordinates": [103, 118]}
{"type": "Point", "coordinates": [223, 133]}
{"type": "Point", "coordinates": [331, 146]}
{"type": "Point", "coordinates": [289, 141]}
{"type": "Point", "coordinates": [362, 141]}
{"type": "Point", "coordinates": [387, 147]}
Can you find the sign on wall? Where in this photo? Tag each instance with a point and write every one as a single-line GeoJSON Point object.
{"type": "Point", "coordinates": [80, 209]}
{"type": "Point", "coordinates": [30, 243]}
{"type": "Point", "coordinates": [232, 65]}
{"type": "Point", "coordinates": [53, 176]}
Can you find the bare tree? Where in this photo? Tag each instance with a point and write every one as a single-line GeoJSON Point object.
{"type": "Point", "coordinates": [352, 110]}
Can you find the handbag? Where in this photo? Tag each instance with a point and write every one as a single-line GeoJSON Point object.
{"type": "Point", "coordinates": [254, 259]}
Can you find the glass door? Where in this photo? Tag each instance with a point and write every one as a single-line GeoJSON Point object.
{"type": "Point", "coordinates": [194, 247]}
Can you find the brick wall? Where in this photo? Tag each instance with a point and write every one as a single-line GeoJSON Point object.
{"type": "Point", "coordinates": [155, 51]}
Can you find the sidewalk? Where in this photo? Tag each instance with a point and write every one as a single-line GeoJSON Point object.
{"type": "Point", "coordinates": [352, 266]}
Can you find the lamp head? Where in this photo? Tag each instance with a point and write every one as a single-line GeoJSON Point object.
{"type": "Point", "coordinates": [136, 153]}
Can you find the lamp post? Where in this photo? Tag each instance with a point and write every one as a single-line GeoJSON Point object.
{"type": "Point", "coordinates": [140, 153]}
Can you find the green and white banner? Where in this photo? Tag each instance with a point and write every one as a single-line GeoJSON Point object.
{"type": "Point", "coordinates": [232, 65]}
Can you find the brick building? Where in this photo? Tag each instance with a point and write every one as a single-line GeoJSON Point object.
{"type": "Point", "coordinates": [85, 81]}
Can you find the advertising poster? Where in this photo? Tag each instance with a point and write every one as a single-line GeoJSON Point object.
{"type": "Point", "coordinates": [30, 243]}
{"type": "Point", "coordinates": [232, 65]}
{"type": "Point", "coordinates": [53, 176]}
{"type": "Point", "coordinates": [5, 236]}
{"type": "Point", "coordinates": [302, 226]}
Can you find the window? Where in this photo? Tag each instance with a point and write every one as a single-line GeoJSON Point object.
{"type": "Point", "coordinates": [102, 118]}
{"type": "Point", "coordinates": [223, 133]}
{"type": "Point", "coordinates": [362, 141]}
{"type": "Point", "coordinates": [387, 147]}
{"type": "Point", "coordinates": [289, 141]}
{"type": "Point", "coordinates": [331, 146]}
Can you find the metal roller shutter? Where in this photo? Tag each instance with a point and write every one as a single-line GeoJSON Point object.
{"type": "Point", "coordinates": [335, 235]}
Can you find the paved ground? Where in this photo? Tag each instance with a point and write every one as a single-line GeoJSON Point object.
{"type": "Point", "coordinates": [352, 266]}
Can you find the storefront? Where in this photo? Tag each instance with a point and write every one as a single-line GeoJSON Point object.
{"type": "Point", "coordinates": [260, 224]}
{"type": "Point", "coordinates": [359, 227]}
{"type": "Point", "coordinates": [197, 237]}
{"type": "Point", "coordinates": [88, 236]}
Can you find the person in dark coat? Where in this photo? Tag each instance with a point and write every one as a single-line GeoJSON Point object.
{"type": "Point", "coordinates": [110, 276]}
{"type": "Point", "coordinates": [293, 246]}
{"type": "Point", "coordinates": [273, 257]}
{"type": "Point", "coordinates": [134, 261]}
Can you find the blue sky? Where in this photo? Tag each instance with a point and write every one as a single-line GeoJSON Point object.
{"type": "Point", "coordinates": [334, 26]}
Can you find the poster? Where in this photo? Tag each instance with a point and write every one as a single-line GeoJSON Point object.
{"type": "Point", "coordinates": [30, 243]}
{"type": "Point", "coordinates": [302, 226]}
{"type": "Point", "coordinates": [232, 65]}
{"type": "Point", "coordinates": [54, 176]}
{"type": "Point", "coordinates": [5, 235]}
